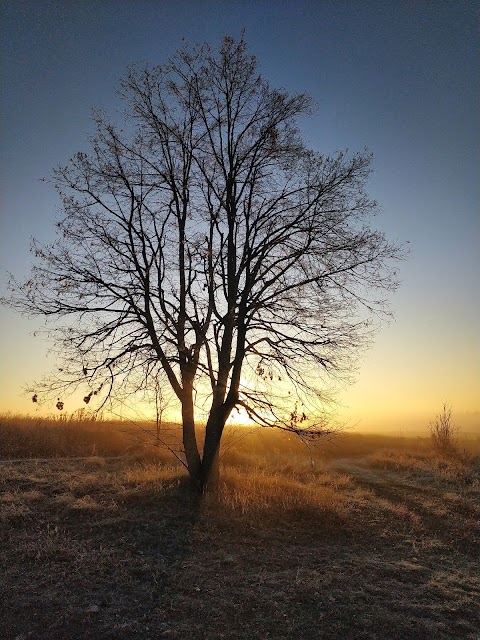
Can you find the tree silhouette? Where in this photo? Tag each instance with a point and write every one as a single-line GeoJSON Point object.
{"type": "Point", "coordinates": [202, 239]}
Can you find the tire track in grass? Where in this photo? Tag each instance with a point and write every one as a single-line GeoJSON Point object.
{"type": "Point", "coordinates": [456, 523]}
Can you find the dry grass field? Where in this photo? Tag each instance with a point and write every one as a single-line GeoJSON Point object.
{"type": "Point", "coordinates": [361, 537]}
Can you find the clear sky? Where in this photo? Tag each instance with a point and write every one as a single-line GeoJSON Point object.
{"type": "Point", "coordinates": [398, 77]}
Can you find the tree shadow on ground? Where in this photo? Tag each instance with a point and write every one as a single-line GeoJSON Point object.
{"type": "Point", "coordinates": [121, 566]}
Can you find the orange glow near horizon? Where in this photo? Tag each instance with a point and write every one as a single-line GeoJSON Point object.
{"type": "Point", "coordinates": [403, 380]}
{"type": "Point", "coordinates": [372, 404]}
{"type": "Point", "coordinates": [414, 73]}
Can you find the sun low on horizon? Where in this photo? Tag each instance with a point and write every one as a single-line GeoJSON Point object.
{"type": "Point", "coordinates": [239, 313]}
{"type": "Point", "coordinates": [394, 88]}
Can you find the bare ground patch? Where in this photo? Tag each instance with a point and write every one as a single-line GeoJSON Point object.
{"type": "Point", "coordinates": [114, 549]}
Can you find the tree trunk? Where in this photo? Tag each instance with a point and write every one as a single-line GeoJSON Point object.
{"type": "Point", "coordinates": [190, 446]}
{"type": "Point", "coordinates": [210, 471]}
{"type": "Point", "coordinates": [211, 478]}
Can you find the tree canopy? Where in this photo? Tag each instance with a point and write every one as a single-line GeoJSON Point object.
{"type": "Point", "coordinates": [203, 241]}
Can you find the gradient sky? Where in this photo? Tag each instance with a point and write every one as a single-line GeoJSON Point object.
{"type": "Point", "coordinates": [398, 77]}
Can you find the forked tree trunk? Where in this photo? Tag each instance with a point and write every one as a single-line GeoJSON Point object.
{"type": "Point", "coordinates": [204, 471]}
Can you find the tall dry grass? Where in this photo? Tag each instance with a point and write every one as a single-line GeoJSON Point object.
{"type": "Point", "coordinates": [81, 435]}
{"type": "Point", "coordinates": [429, 465]}
{"type": "Point", "coordinates": [259, 466]}
{"type": "Point", "coordinates": [63, 436]}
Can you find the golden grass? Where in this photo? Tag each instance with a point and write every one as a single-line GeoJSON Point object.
{"type": "Point", "coordinates": [262, 470]}
{"type": "Point", "coordinates": [150, 474]}
{"type": "Point", "coordinates": [262, 491]}
{"type": "Point", "coordinates": [462, 469]}
{"type": "Point", "coordinates": [330, 542]}
{"type": "Point", "coordinates": [63, 436]}
{"type": "Point", "coordinates": [54, 437]}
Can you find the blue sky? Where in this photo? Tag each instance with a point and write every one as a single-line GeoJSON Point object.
{"type": "Point", "coordinates": [401, 78]}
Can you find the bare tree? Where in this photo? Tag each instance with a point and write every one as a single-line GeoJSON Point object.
{"type": "Point", "coordinates": [205, 240]}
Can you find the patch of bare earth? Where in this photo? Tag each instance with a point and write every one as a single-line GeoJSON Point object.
{"type": "Point", "coordinates": [98, 549]}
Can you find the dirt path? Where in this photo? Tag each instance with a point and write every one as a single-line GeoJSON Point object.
{"type": "Point", "coordinates": [446, 514]}
{"type": "Point", "coordinates": [378, 479]}
{"type": "Point", "coordinates": [357, 468]}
